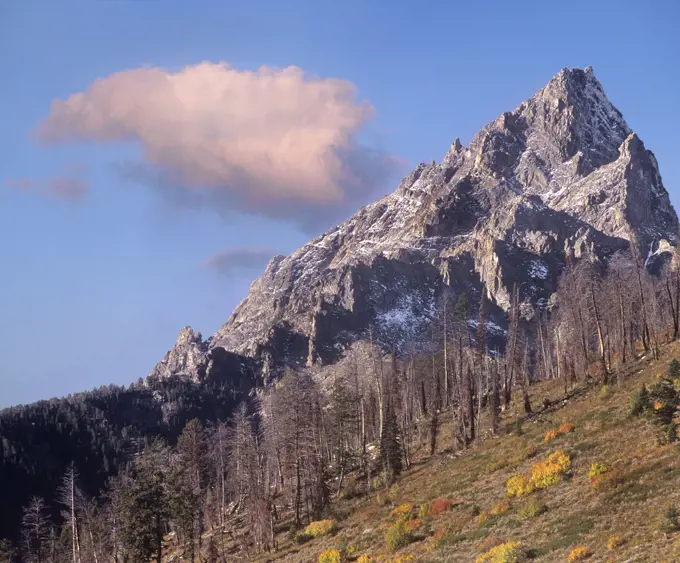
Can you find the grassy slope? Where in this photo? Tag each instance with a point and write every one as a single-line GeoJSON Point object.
{"type": "Point", "coordinates": [576, 514]}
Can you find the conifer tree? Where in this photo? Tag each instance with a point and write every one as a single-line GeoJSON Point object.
{"type": "Point", "coordinates": [145, 506]}
{"type": "Point", "coordinates": [390, 446]}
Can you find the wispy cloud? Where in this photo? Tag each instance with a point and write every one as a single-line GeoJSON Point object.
{"type": "Point", "coordinates": [239, 260]}
{"type": "Point", "coordinates": [273, 141]}
{"type": "Point", "coordinates": [68, 185]}
{"type": "Point", "coordinates": [68, 188]}
{"type": "Point", "coordinates": [23, 184]}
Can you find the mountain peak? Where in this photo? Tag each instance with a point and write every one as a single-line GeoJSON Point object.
{"type": "Point", "coordinates": [561, 174]}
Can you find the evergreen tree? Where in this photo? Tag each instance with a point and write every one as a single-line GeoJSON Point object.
{"type": "Point", "coordinates": [390, 445]}
{"type": "Point", "coordinates": [188, 481]}
{"type": "Point", "coordinates": [145, 506]}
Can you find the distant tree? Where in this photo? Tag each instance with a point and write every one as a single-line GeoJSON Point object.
{"type": "Point", "coordinates": [7, 552]}
{"type": "Point", "coordinates": [69, 495]}
{"type": "Point", "coordinates": [36, 532]}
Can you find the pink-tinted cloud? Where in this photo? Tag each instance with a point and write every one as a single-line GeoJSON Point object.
{"type": "Point", "coordinates": [68, 188]}
{"type": "Point", "coordinates": [24, 184]}
{"type": "Point", "coordinates": [237, 260]}
{"type": "Point", "coordinates": [273, 141]}
{"type": "Point", "coordinates": [68, 185]}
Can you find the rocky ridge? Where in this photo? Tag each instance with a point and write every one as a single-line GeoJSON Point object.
{"type": "Point", "coordinates": [562, 174]}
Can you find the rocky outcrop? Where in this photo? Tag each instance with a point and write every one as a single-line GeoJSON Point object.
{"type": "Point", "coordinates": [188, 357]}
{"type": "Point", "coordinates": [560, 175]}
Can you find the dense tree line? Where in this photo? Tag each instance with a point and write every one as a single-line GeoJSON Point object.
{"type": "Point", "coordinates": [247, 466]}
{"type": "Point", "coordinates": [100, 432]}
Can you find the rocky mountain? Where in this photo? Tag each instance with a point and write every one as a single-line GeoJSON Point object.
{"type": "Point", "coordinates": [562, 174]}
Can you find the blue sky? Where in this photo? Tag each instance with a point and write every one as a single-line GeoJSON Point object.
{"type": "Point", "coordinates": [101, 269]}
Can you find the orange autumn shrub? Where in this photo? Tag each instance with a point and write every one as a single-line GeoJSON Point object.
{"type": "Point", "coordinates": [500, 507]}
{"type": "Point", "coordinates": [550, 435]}
{"type": "Point", "coordinates": [564, 428]}
{"type": "Point", "coordinates": [440, 505]}
{"type": "Point", "coordinates": [413, 525]}
{"type": "Point", "coordinates": [579, 553]}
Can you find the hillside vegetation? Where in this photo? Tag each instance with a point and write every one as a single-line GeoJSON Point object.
{"type": "Point", "coordinates": [452, 450]}
{"type": "Point", "coordinates": [613, 503]}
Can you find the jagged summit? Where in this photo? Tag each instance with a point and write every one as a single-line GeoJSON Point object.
{"type": "Point", "coordinates": [562, 174]}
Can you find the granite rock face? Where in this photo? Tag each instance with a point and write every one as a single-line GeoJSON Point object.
{"type": "Point", "coordinates": [189, 357]}
{"type": "Point", "coordinates": [562, 174]}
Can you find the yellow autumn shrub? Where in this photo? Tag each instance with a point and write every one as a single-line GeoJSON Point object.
{"type": "Point", "coordinates": [542, 475]}
{"type": "Point", "coordinates": [566, 428]}
{"type": "Point", "coordinates": [579, 553]}
{"type": "Point", "coordinates": [320, 528]}
{"type": "Point", "coordinates": [405, 558]}
{"type": "Point", "coordinates": [518, 486]}
{"type": "Point", "coordinates": [500, 507]}
{"type": "Point", "coordinates": [615, 541]}
{"type": "Point", "coordinates": [509, 552]}
{"type": "Point", "coordinates": [403, 511]}
{"type": "Point", "coordinates": [549, 472]}
{"type": "Point", "coordinates": [331, 556]}
{"type": "Point", "coordinates": [365, 559]}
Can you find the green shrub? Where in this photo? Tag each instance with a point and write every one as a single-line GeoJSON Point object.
{"type": "Point", "coordinates": [596, 469]}
{"type": "Point", "coordinates": [398, 536]}
{"type": "Point", "coordinates": [639, 403]}
{"type": "Point", "coordinates": [664, 401]}
{"type": "Point", "coordinates": [671, 522]}
{"type": "Point", "coordinates": [674, 370]}
{"type": "Point", "coordinates": [518, 427]}
{"type": "Point", "coordinates": [530, 509]}
{"type": "Point", "coordinates": [302, 537]}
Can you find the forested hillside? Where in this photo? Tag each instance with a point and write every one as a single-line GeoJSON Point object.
{"type": "Point", "coordinates": [99, 432]}
{"type": "Point", "coordinates": [208, 471]}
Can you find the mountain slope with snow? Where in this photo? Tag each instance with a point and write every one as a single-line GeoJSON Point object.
{"type": "Point", "coordinates": [561, 175]}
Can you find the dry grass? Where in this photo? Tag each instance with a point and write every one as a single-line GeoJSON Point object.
{"type": "Point", "coordinates": [642, 482]}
